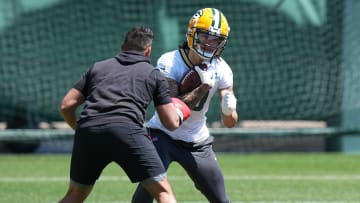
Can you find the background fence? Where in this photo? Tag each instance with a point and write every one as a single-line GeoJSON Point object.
{"type": "Point", "coordinates": [292, 59]}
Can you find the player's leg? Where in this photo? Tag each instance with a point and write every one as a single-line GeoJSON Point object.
{"type": "Point", "coordinates": [204, 170]}
{"type": "Point", "coordinates": [141, 195]}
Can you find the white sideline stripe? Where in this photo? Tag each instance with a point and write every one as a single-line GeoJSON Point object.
{"type": "Point", "coordinates": [182, 178]}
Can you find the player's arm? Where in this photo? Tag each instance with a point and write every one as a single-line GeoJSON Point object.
{"type": "Point", "coordinates": [173, 87]}
{"type": "Point", "coordinates": [69, 104]}
{"type": "Point", "coordinates": [207, 78]}
{"type": "Point", "coordinates": [228, 101]}
{"type": "Point", "coordinates": [191, 98]}
{"type": "Point", "coordinates": [194, 97]}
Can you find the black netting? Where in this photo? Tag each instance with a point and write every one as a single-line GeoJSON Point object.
{"type": "Point", "coordinates": [282, 69]}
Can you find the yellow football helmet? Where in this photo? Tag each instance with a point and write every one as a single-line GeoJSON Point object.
{"type": "Point", "coordinates": [208, 31]}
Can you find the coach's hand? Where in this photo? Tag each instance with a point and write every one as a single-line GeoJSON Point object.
{"type": "Point", "coordinates": [228, 104]}
{"type": "Point", "coordinates": [182, 109]}
{"type": "Point", "coordinates": [206, 76]}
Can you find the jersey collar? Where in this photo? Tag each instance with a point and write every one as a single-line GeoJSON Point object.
{"type": "Point", "coordinates": [184, 56]}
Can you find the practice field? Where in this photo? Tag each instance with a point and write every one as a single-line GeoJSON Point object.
{"type": "Point", "coordinates": [255, 178]}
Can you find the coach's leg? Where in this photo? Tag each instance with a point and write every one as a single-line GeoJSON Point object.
{"type": "Point", "coordinates": [162, 145]}
{"type": "Point", "coordinates": [161, 191]}
{"type": "Point", "coordinates": [76, 193]}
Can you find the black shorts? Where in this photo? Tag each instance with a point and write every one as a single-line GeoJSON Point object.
{"type": "Point", "coordinates": [126, 144]}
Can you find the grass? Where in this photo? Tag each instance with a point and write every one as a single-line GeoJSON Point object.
{"type": "Point", "coordinates": [266, 178]}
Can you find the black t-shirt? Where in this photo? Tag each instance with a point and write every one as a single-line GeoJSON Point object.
{"type": "Point", "coordinates": [120, 89]}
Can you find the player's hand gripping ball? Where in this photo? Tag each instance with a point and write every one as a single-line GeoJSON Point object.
{"type": "Point", "coordinates": [207, 77]}
{"type": "Point", "coordinates": [191, 80]}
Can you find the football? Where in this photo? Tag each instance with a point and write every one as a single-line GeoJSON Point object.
{"type": "Point", "coordinates": [191, 80]}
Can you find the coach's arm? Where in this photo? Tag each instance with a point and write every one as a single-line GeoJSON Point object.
{"type": "Point", "coordinates": [68, 106]}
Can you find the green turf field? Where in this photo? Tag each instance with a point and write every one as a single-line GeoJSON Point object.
{"type": "Point", "coordinates": [260, 178]}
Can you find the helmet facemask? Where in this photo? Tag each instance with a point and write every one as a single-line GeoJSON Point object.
{"type": "Point", "coordinates": [207, 44]}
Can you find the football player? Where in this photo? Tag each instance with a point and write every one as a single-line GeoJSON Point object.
{"type": "Point", "coordinates": [191, 144]}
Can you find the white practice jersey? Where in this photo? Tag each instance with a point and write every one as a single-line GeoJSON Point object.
{"type": "Point", "coordinates": [194, 129]}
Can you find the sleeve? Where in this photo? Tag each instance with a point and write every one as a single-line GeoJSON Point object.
{"type": "Point", "coordinates": [227, 78]}
{"type": "Point", "coordinates": [163, 66]}
{"type": "Point", "coordinates": [161, 94]}
{"type": "Point", "coordinates": [82, 84]}
{"type": "Point", "coordinates": [168, 65]}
